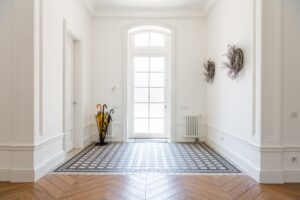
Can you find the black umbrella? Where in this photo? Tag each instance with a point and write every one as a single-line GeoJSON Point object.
{"type": "Point", "coordinates": [109, 118]}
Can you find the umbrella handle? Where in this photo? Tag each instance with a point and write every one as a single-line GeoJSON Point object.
{"type": "Point", "coordinates": [98, 106]}
{"type": "Point", "coordinates": [112, 111]}
{"type": "Point", "coordinates": [104, 106]}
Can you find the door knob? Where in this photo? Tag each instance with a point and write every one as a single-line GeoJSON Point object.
{"type": "Point", "coordinates": [74, 102]}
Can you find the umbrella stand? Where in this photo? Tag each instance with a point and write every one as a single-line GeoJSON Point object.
{"type": "Point", "coordinates": [103, 119]}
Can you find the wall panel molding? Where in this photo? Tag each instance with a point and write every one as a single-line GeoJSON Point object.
{"type": "Point", "coordinates": [30, 147]}
{"type": "Point", "coordinates": [23, 69]}
{"type": "Point", "coordinates": [256, 73]}
{"type": "Point", "coordinates": [271, 71]}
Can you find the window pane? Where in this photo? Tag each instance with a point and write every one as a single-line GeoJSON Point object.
{"type": "Point", "coordinates": [157, 110]}
{"type": "Point", "coordinates": [141, 80]}
{"type": "Point", "coordinates": [157, 80]}
{"type": "Point", "coordinates": [141, 39]}
{"type": "Point", "coordinates": [157, 39]}
{"type": "Point", "coordinates": [141, 110]}
{"type": "Point", "coordinates": [157, 64]}
{"type": "Point", "coordinates": [157, 126]}
{"type": "Point", "coordinates": [141, 64]}
{"type": "Point", "coordinates": [141, 125]}
{"type": "Point", "coordinates": [157, 95]}
{"type": "Point", "coordinates": [141, 94]}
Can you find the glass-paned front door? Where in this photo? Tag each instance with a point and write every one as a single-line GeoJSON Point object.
{"type": "Point", "coordinates": [149, 97]}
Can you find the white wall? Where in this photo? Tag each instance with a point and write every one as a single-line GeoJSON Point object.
{"type": "Point", "coordinates": [290, 87]}
{"type": "Point", "coordinates": [267, 86]}
{"type": "Point", "coordinates": [54, 14]}
{"type": "Point", "coordinates": [279, 97]}
{"type": "Point", "coordinates": [230, 102]}
{"type": "Point", "coordinates": [31, 50]}
{"type": "Point", "coordinates": [6, 64]}
{"type": "Point", "coordinates": [17, 63]}
{"type": "Point", "coordinates": [6, 84]}
{"type": "Point", "coordinates": [291, 72]}
{"type": "Point", "coordinates": [107, 69]}
{"type": "Point", "coordinates": [16, 87]}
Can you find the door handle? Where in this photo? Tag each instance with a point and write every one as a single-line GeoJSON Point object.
{"type": "Point", "coordinates": [74, 102]}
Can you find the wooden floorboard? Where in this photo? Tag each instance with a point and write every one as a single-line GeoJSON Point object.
{"type": "Point", "coordinates": [143, 186]}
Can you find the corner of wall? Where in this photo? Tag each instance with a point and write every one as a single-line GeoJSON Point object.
{"type": "Point", "coordinates": [48, 155]}
{"type": "Point", "coordinates": [247, 156]}
{"type": "Point", "coordinates": [31, 162]}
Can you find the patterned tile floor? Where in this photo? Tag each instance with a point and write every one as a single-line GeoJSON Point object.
{"type": "Point", "coordinates": [174, 158]}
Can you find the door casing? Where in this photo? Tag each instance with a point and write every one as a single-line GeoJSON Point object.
{"type": "Point", "coordinates": [171, 111]}
{"type": "Point", "coordinates": [69, 114]}
{"type": "Point", "coordinates": [70, 31]}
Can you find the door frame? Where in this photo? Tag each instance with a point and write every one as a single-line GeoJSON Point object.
{"type": "Point", "coordinates": [171, 111]}
{"type": "Point", "coordinates": [78, 81]}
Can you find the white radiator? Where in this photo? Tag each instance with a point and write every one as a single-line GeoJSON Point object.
{"type": "Point", "coordinates": [192, 126]}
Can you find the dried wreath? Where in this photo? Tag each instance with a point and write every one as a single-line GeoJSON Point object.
{"type": "Point", "coordinates": [236, 61]}
{"type": "Point", "coordinates": [209, 71]}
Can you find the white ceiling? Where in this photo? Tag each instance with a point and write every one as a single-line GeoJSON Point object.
{"type": "Point", "coordinates": [149, 4]}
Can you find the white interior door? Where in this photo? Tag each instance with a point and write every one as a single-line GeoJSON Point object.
{"type": "Point", "coordinates": [69, 94]}
{"type": "Point", "coordinates": [149, 96]}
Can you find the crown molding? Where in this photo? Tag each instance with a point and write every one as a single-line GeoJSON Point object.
{"type": "Point", "coordinates": [88, 6]}
{"type": "Point", "coordinates": [209, 6]}
{"type": "Point", "coordinates": [144, 12]}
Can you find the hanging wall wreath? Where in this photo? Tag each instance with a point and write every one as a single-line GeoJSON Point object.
{"type": "Point", "coordinates": [209, 71]}
{"type": "Point", "coordinates": [235, 61]}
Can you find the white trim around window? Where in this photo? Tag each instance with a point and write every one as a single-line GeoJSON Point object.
{"type": "Point", "coordinates": [169, 53]}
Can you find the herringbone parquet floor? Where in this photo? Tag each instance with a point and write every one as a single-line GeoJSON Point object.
{"type": "Point", "coordinates": [143, 186]}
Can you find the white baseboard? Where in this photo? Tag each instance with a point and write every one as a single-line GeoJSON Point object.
{"type": "Point", "coordinates": [180, 132]}
{"type": "Point", "coordinates": [21, 175]}
{"type": "Point", "coordinates": [292, 176]}
{"type": "Point", "coordinates": [49, 164]}
{"type": "Point", "coordinates": [272, 177]}
{"type": "Point", "coordinates": [202, 138]}
{"type": "Point", "coordinates": [91, 130]}
{"type": "Point", "coordinates": [279, 177]}
{"type": "Point", "coordinates": [87, 134]}
{"type": "Point", "coordinates": [4, 174]}
{"type": "Point", "coordinates": [31, 175]}
{"type": "Point", "coordinates": [264, 164]}
{"type": "Point", "coordinates": [28, 163]}
{"type": "Point", "coordinates": [95, 138]}
{"type": "Point", "coordinates": [50, 155]}
{"type": "Point", "coordinates": [234, 149]}
{"type": "Point", "coordinates": [243, 164]}
{"type": "Point", "coordinates": [87, 141]}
